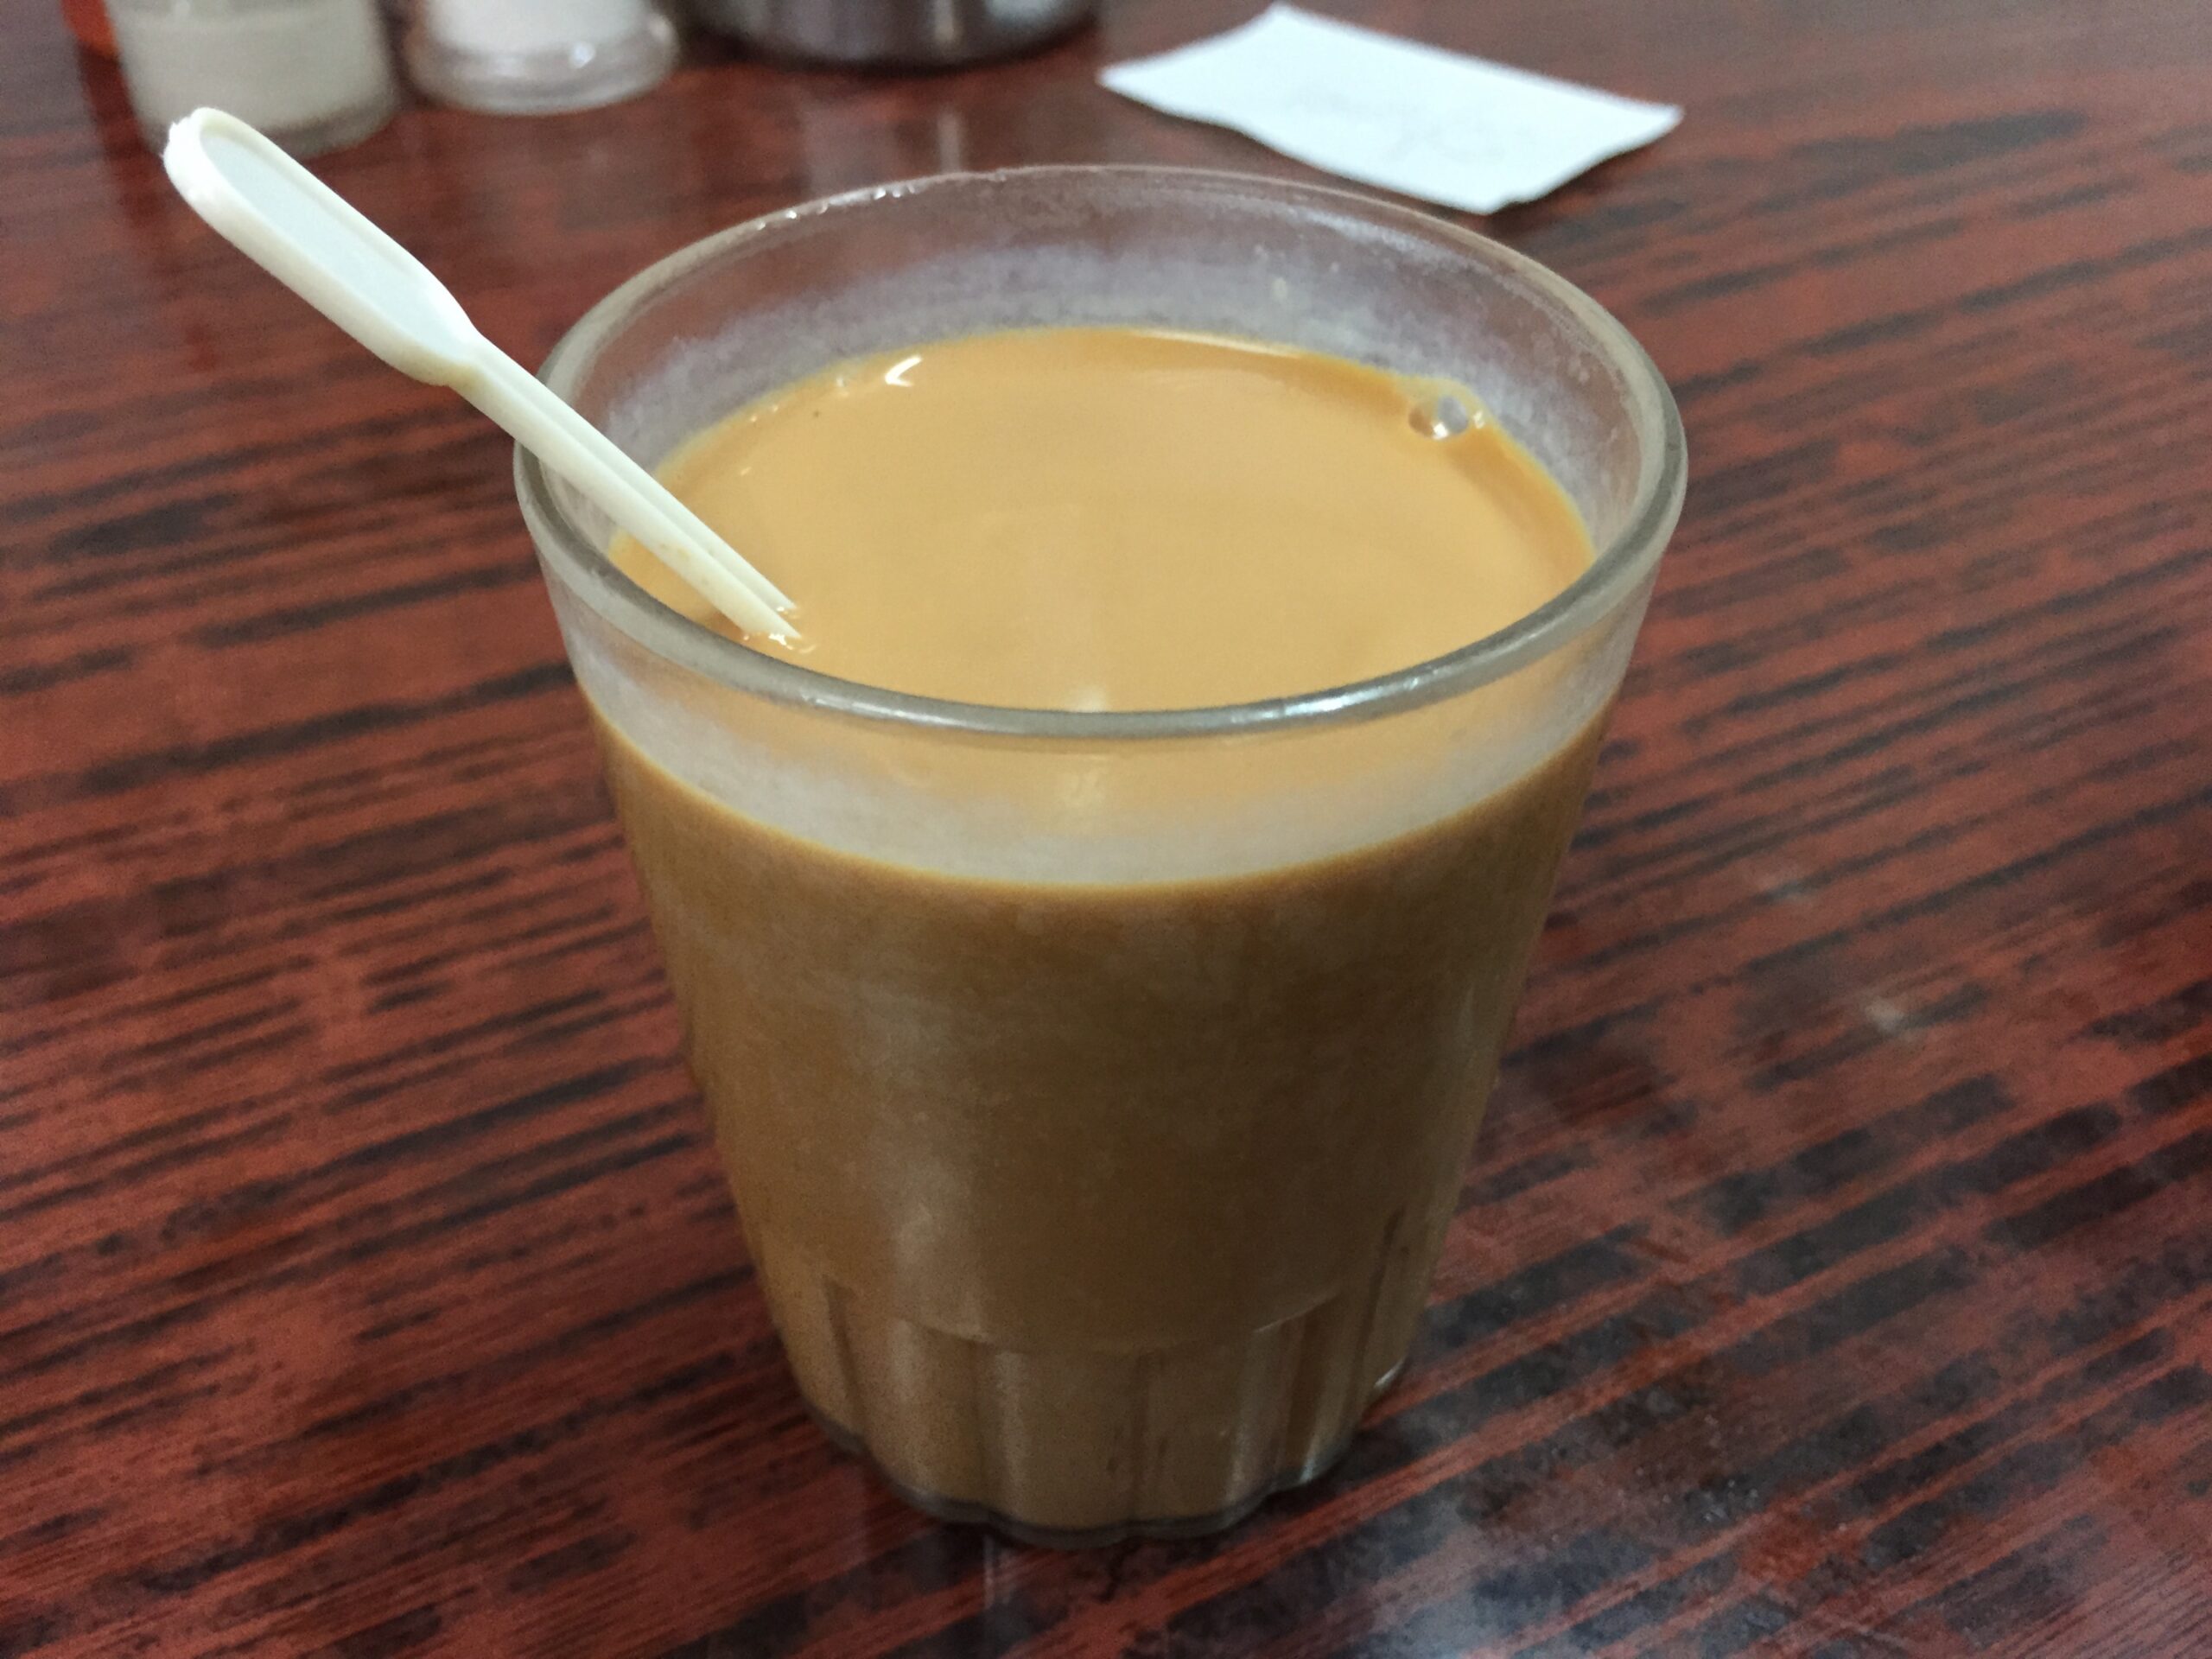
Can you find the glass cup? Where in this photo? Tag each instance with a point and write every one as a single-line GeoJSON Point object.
{"type": "Point", "coordinates": [315, 75]}
{"type": "Point", "coordinates": [1096, 1088]}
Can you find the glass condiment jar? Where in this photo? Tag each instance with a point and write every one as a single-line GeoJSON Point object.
{"type": "Point", "coordinates": [530, 57]}
{"type": "Point", "coordinates": [313, 74]}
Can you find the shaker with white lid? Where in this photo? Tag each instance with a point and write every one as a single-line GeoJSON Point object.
{"type": "Point", "coordinates": [526, 57]}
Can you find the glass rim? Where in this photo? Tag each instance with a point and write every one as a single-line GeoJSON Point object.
{"type": "Point", "coordinates": [585, 570]}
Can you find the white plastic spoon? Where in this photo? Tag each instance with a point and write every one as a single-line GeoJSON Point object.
{"type": "Point", "coordinates": [296, 228]}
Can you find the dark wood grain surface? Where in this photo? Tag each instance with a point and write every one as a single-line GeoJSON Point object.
{"type": "Point", "coordinates": [1834, 1275]}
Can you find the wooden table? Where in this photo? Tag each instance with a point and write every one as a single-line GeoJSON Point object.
{"type": "Point", "coordinates": [1834, 1275]}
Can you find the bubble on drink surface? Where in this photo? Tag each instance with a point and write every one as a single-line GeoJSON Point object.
{"type": "Point", "coordinates": [1445, 415]}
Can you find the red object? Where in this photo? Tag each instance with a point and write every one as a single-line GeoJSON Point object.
{"type": "Point", "coordinates": [87, 21]}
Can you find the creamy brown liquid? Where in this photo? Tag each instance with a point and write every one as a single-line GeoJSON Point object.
{"type": "Point", "coordinates": [1101, 518]}
{"type": "Point", "coordinates": [1085, 1203]}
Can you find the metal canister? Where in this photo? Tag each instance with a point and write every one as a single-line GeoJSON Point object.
{"type": "Point", "coordinates": [894, 33]}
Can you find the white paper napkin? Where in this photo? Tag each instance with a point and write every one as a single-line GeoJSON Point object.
{"type": "Point", "coordinates": [1410, 117]}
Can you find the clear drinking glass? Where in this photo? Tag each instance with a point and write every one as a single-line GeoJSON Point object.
{"type": "Point", "coordinates": [315, 75]}
{"type": "Point", "coordinates": [1095, 1088]}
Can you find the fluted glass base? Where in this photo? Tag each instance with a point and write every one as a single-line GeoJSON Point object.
{"type": "Point", "coordinates": [1078, 1447]}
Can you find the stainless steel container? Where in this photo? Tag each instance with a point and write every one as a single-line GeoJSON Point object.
{"type": "Point", "coordinates": [894, 33]}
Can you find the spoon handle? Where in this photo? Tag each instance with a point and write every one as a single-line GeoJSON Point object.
{"type": "Point", "coordinates": [311, 239]}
